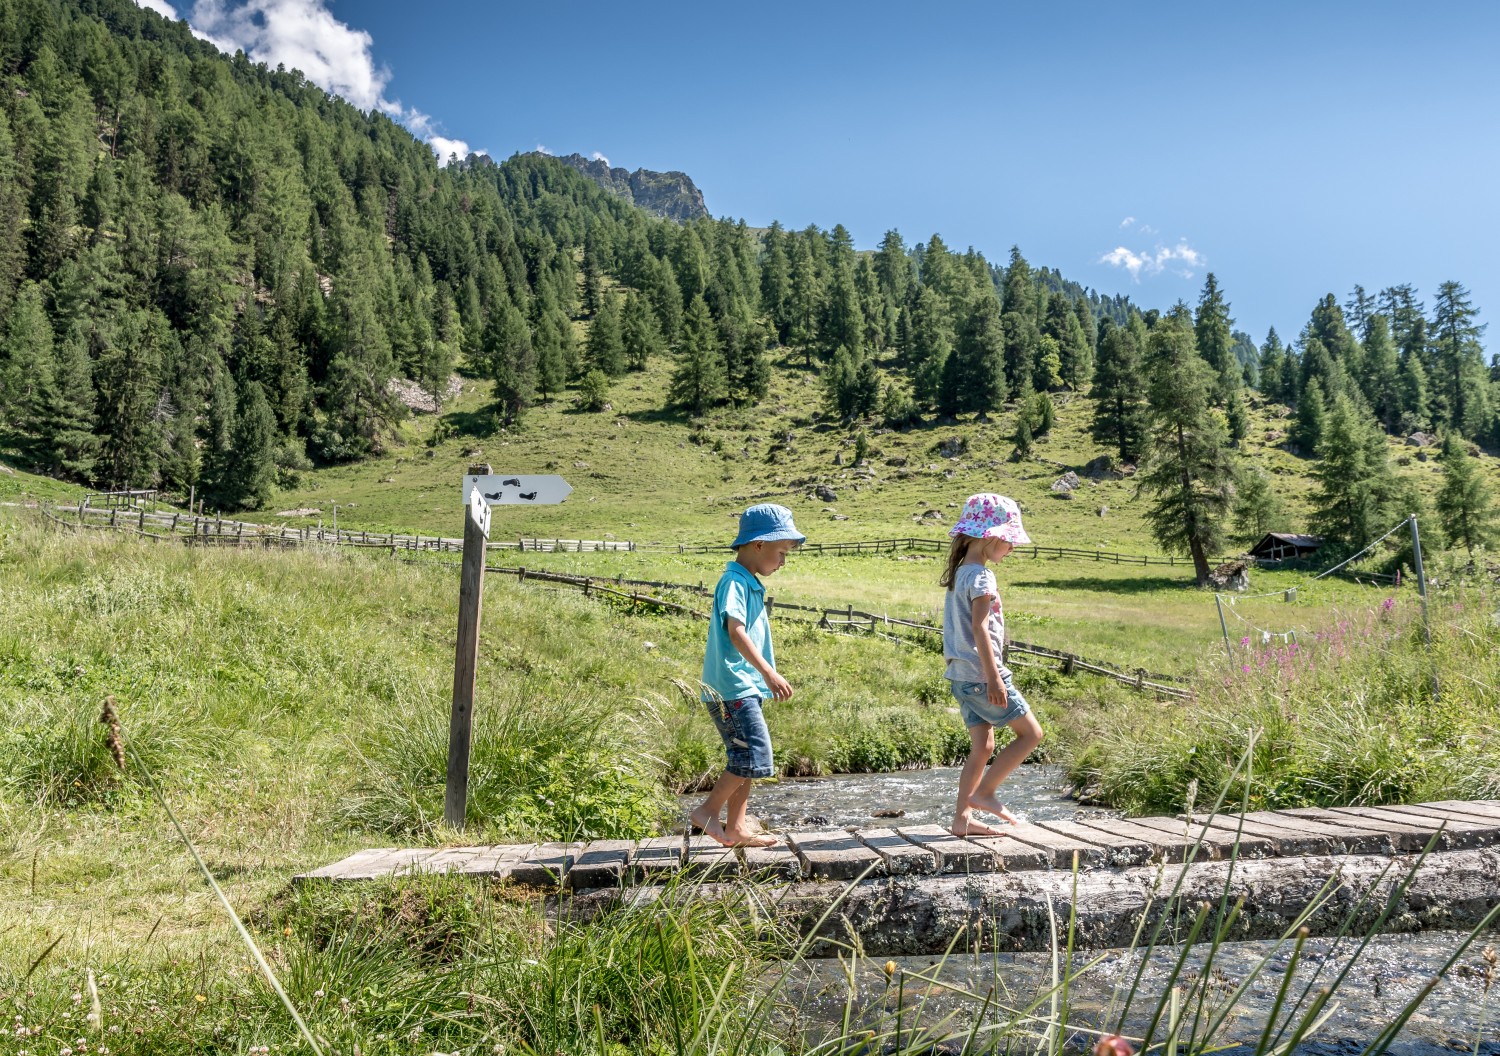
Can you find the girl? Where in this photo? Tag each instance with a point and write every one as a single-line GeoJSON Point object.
{"type": "Point", "coordinates": [973, 645]}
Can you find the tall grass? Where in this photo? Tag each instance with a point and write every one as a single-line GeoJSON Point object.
{"type": "Point", "coordinates": [1348, 715]}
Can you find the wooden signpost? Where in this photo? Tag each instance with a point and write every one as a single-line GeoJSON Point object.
{"type": "Point", "coordinates": [481, 491]}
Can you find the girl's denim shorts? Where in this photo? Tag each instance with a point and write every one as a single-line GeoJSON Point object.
{"type": "Point", "coordinates": [974, 703]}
{"type": "Point", "coordinates": [747, 741]}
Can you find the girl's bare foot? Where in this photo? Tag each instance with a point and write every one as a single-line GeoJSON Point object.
{"type": "Point", "coordinates": [698, 822]}
{"type": "Point", "coordinates": [991, 805]}
{"type": "Point", "coordinates": [753, 839]}
{"type": "Point", "coordinates": [967, 826]}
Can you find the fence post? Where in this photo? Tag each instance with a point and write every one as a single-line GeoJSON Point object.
{"type": "Point", "coordinates": [1219, 601]}
{"type": "Point", "coordinates": [1416, 551]}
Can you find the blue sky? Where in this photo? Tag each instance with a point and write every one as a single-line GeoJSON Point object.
{"type": "Point", "coordinates": [1293, 149]}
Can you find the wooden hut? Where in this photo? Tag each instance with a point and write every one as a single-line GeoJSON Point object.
{"type": "Point", "coordinates": [1284, 546]}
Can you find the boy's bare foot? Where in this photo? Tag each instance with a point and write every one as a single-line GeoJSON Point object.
{"type": "Point", "coordinates": [754, 839]}
{"type": "Point", "coordinates": [698, 822]}
{"type": "Point", "coordinates": [991, 805]}
{"type": "Point", "coordinates": [970, 827]}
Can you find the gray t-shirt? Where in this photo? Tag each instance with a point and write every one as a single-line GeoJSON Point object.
{"type": "Point", "coordinates": [964, 664]}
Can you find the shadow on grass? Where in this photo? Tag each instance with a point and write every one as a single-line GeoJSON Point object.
{"type": "Point", "coordinates": [481, 422]}
{"type": "Point", "coordinates": [1144, 585]}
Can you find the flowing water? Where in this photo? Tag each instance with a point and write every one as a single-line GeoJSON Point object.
{"type": "Point", "coordinates": [1459, 1015]}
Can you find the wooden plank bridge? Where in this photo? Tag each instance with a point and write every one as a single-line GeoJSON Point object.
{"type": "Point", "coordinates": [915, 889]}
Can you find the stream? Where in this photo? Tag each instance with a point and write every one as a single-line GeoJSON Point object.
{"type": "Point", "coordinates": [1461, 1014]}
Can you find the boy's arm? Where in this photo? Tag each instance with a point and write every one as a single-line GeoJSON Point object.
{"type": "Point", "coordinates": [983, 611]}
{"type": "Point", "coordinates": [780, 688]}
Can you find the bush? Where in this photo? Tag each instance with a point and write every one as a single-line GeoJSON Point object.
{"type": "Point", "coordinates": [593, 391]}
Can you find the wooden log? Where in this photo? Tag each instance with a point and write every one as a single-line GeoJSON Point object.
{"type": "Point", "coordinates": [954, 854]}
{"type": "Point", "coordinates": [833, 854]}
{"type": "Point", "coordinates": [899, 857]}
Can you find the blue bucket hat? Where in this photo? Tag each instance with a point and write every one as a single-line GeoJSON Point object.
{"type": "Point", "coordinates": [766, 523]}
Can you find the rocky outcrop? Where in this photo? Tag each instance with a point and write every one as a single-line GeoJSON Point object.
{"type": "Point", "coordinates": [668, 194]}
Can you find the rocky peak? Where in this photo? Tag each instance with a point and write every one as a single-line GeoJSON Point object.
{"type": "Point", "coordinates": [668, 194]}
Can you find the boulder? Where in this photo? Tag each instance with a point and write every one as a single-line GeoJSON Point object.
{"type": "Point", "coordinates": [1066, 483]}
{"type": "Point", "coordinates": [1102, 468]}
{"type": "Point", "coordinates": [953, 447]}
{"type": "Point", "coordinates": [1421, 439]}
{"type": "Point", "coordinates": [825, 493]}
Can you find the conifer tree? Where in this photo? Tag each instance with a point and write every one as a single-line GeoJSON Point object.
{"type": "Point", "coordinates": [1411, 382]}
{"type": "Point", "coordinates": [1356, 488]}
{"type": "Point", "coordinates": [642, 334]}
{"type": "Point", "coordinates": [1119, 392]}
{"type": "Point", "coordinates": [931, 343]}
{"type": "Point", "coordinates": [510, 362]}
{"type": "Point", "coordinates": [851, 385]}
{"type": "Point", "coordinates": [1307, 427]}
{"type": "Point", "coordinates": [1189, 469]}
{"type": "Point", "coordinates": [1460, 378]}
{"type": "Point", "coordinates": [776, 281]}
{"type": "Point", "coordinates": [606, 341]}
{"type": "Point", "coordinates": [1272, 363]}
{"type": "Point", "coordinates": [253, 474]}
{"type": "Point", "coordinates": [698, 381]}
{"type": "Point", "coordinates": [1213, 332]}
{"type": "Point", "coordinates": [67, 427]}
{"type": "Point", "coordinates": [26, 360]}
{"type": "Point", "coordinates": [1381, 382]}
{"type": "Point", "coordinates": [551, 355]}
{"type": "Point", "coordinates": [980, 350]}
{"type": "Point", "coordinates": [893, 267]}
{"type": "Point", "coordinates": [1464, 504]}
{"type": "Point", "coordinates": [1257, 507]}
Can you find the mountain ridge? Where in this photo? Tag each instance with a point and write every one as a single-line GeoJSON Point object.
{"type": "Point", "coordinates": [671, 195]}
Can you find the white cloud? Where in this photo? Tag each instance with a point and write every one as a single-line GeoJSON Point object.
{"type": "Point", "coordinates": [443, 148]}
{"type": "Point", "coordinates": [599, 157]}
{"type": "Point", "coordinates": [1127, 221]}
{"type": "Point", "coordinates": [304, 35]}
{"type": "Point", "coordinates": [543, 150]}
{"type": "Point", "coordinates": [1181, 259]}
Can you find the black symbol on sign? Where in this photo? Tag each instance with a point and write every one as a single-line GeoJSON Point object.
{"type": "Point", "coordinates": [528, 495]}
{"type": "Point", "coordinates": [493, 495]}
{"type": "Point", "coordinates": [511, 482]}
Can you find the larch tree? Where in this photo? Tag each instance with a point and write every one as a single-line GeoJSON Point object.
{"type": "Point", "coordinates": [1119, 390]}
{"type": "Point", "coordinates": [1465, 507]}
{"type": "Point", "coordinates": [1189, 469]}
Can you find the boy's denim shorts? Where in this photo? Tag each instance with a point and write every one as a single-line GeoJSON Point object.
{"type": "Point", "coordinates": [747, 741]}
{"type": "Point", "coordinates": [974, 703]}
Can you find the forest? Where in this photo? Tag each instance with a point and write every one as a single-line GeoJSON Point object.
{"type": "Point", "coordinates": [211, 272]}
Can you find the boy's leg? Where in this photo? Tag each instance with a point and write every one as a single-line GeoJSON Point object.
{"type": "Point", "coordinates": [981, 744]}
{"type": "Point", "coordinates": [1028, 734]}
{"type": "Point", "coordinates": [706, 817]}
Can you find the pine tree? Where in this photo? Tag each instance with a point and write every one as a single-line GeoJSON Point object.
{"type": "Point", "coordinates": [851, 385]}
{"type": "Point", "coordinates": [980, 350]}
{"type": "Point", "coordinates": [1411, 383]}
{"type": "Point", "coordinates": [26, 360]}
{"type": "Point", "coordinates": [893, 267]}
{"type": "Point", "coordinates": [551, 354]}
{"type": "Point", "coordinates": [1272, 363]}
{"type": "Point", "coordinates": [698, 381]}
{"type": "Point", "coordinates": [1464, 505]}
{"type": "Point", "coordinates": [1119, 391]}
{"type": "Point", "coordinates": [1212, 330]}
{"type": "Point", "coordinates": [67, 427]}
{"type": "Point", "coordinates": [1460, 378]}
{"type": "Point", "coordinates": [1307, 428]}
{"type": "Point", "coordinates": [1257, 508]}
{"type": "Point", "coordinates": [776, 281]}
{"type": "Point", "coordinates": [606, 342]}
{"type": "Point", "coordinates": [931, 343]}
{"type": "Point", "coordinates": [1356, 488]}
{"type": "Point", "coordinates": [1189, 468]}
{"type": "Point", "coordinates": [254, 445]}
{"type": "Point", "coordinates": [1381, 382]}
{"type": "Point", "coordinates": [510, 362]}
{"type": "Point", "coordinates": [641, 333]}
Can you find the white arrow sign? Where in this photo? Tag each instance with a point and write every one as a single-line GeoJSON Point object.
{"type": "Point", "coordinates": [514, 489]}
{"type": "Point", "coordinates": [480, 511]}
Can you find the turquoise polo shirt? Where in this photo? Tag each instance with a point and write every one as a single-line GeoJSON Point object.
{"type": "Point", "coordinates": [727, 674]}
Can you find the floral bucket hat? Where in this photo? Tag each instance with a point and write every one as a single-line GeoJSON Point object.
{"type": "Point", "coordinates": [989, 516]}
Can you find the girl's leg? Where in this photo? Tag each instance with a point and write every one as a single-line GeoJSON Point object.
{"type": "Point", "coordinates": [1028, 735]}
{"type": "Point", "coordinates": [706, 817]}
{"type": "Point", "coordinates": [981, 744]}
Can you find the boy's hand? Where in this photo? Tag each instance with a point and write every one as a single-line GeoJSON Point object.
{"type": "Point", "coordinates": [780, 688]}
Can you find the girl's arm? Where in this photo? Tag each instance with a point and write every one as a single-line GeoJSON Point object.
{"type": "Point", "coordinates": [989, 663]}
{"type": "Point", "coordinates": [780, 688]}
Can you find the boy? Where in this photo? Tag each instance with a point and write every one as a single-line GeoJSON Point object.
{"type": "Point", "coordinates": [739, 672]}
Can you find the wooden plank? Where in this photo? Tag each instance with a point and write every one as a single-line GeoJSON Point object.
{"type": "Point", "coordinates": [498, 861]}
{"type": "Point", "coordinates": [709, 859]}
{"type": "Point", "coordinates": [900, 857]}
{"type": "Point", "coordinates": [1403, 839]}
{"type": "Point", "coordinates": [360, 865]}
{"type": "Point", "coordinates": [1456, 834]}
{"type": "Point", "coordinates": [1489, 807]}
{"type": "Point", "coordinates": [1211, 842]}
{"type": "Point", "coordinates": [1290, 836]}
{"type": "Point", "coordinates": [600, 864]}
{"type": "Point", "coordinates": [446, 859]}
{"type": "Point", "coordinates": [1059, 847]}
{"type": "Point", "coordinates": [954, 854]}
{"type": "Point", "coordinates": [1011, 855]}
{"type": "Point", "coordinates": [657, 858]}
{"type": "Point", "coordinates": [1122, 849]}
{"type": "Point", "coordinates": [546, 865]}
{"type": "Point", "coordinates": [1347, 839]}
{"type": "Point", "coordinates": [1473, 822]}
{"type": "Point", "coordinates": [1467, 812]}
{"type": "Point", "coordinates": [771, 863]}
{"type": "Point", "coordinates": [834, 854]}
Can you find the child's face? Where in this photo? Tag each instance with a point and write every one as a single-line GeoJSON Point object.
{"type": "Point", "coordinates": [765, 558]}
{"type": "Point", "coordinates": [996, 549]}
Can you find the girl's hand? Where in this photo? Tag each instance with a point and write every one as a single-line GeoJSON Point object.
{"type": "Point", "coordinates": [999, 696]}
{"type": "Point", "coordinates": [780, 688]}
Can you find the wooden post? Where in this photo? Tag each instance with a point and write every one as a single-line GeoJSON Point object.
{"type": "Point", "coordinates": [465, 669]}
